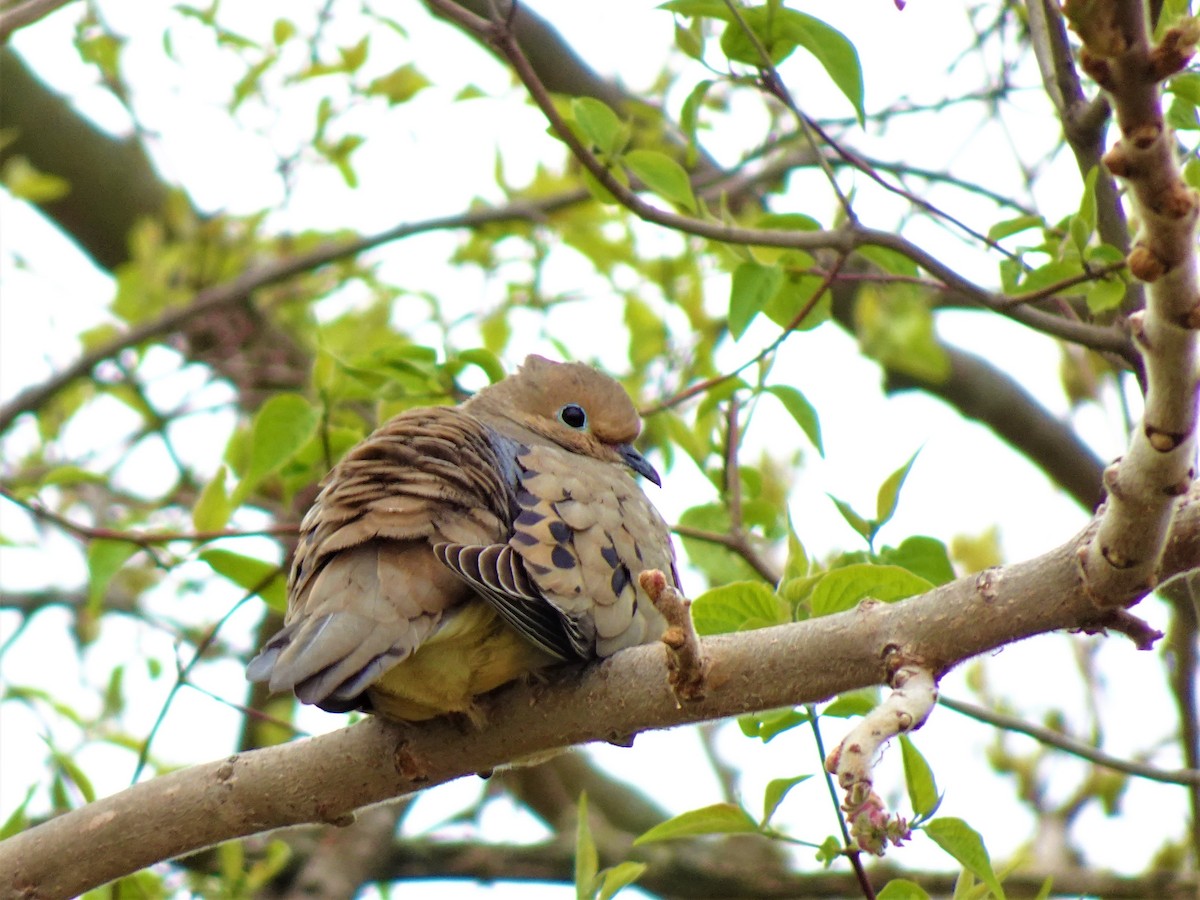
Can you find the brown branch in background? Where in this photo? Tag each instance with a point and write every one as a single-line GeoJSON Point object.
{"type": "Point", "coordinates": [141, 538]}
{"type": "Point", "coordinates": [240, 289]}
{"type": "Point", "coordinates": [18, 15]}
{"type": "Point", "coordinates": [346, 858]}
{"type": "Point", "coordinates": [1183, 667]}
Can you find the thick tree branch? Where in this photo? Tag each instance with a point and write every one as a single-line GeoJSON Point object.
{"type": "Point", "coordinates": [112, 181]}
{"type": "Point", "coordinates": [325, 779]}
{"type": "Point", "coordinates": [1121, 562]}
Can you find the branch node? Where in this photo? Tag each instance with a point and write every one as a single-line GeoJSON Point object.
{"type": "Point", "coordinates": [408, 764]}
{"type": "Point", "coordinates": [1163, 441]}
{"type": "Point", "coordinates": [1124, 622]}
{"type": "Point", "coordinates": [1177, 47]}
{"type": "Point", "coordinates": [687, 668]}
{"type": "Point", "coordinates": [987, 584]}
{"type": "Point", "coordinates": [1097, 68]}
{"type": "Point", "coordinates": [1145, 265]}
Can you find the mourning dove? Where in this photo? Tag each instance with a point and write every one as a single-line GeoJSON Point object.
{"type": "Point", "coordinates": [457, 548]}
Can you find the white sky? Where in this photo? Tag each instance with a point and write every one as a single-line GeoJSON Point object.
{"type": "Point", "coordinates": [962, 483]}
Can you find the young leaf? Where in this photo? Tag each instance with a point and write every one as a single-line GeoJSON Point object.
{"type": "Point", "coordinates": [620, 876]}
{"type": "Point", "coordinates": [902, 889]}
{"type": "Point", "coordinates": [802, 411]}
{"type": "Point", "coordinates": [963, 842]}
{"type": "Point", "coordinates": [918, 778]}
{"type": "Point", "coordinates": [752, 286]}
{"type": "Point", "coordinates": [834, 51]}
{"type": "Point", "coordinates": [741, 606]}
{"type": "Point", "coordinates": [772, 723]}
{"type": "Point", "coordinates": [840, 589]}
{"type": "Point", "coordinates": [924, 556]}
{"type": "Point", "coordinates": [212, 508]}
{"type": "Point", "coordinates": [854, 520]}
{"type": "Point", "coordinates": [283, 425]}
{"type": "Point", "coordinates": [776, 790]}
{"type": "Point", "coordinates": [587, 859]}
{"type": "Point", "coordinates": [889, 493]}
{"type": "Point", "coordinates": [720, 818]}
{"type": "Point", "coordinates": [599, 124]}
{"type": "Point", "coordinates": [251, 574]}
{"type": "Point", "coordinates": [104, 560]}
{"type": "Point", "coordinates": [852, 703]}
{"type": "Point", "coordinates": [662, 175]}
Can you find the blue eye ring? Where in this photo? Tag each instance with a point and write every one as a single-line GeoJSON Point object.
{"type": "Point", "coordinates": [573, 416]}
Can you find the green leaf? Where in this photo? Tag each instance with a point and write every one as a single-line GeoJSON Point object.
{"type": "Point", "coordinates": [662, 175]}
{"type": "Point", "coordinates": [842, 589]}
{"type": "Point", "coordinates": [751, 288]}
{"type": "Point", "coordinates": [902, 889]}
{"type": "Point", "coordinates": [620, 876]}
{"type": "Point", "coordinates": [889, 493]}
{"type": "Point", "coordinates": [1083, 223]}
{"type": "Point", "coordinates": [741, 606]}
{"type": "Point", "coordinates": [797, 565]}
{"type": "Point", "coordinates": [27, 183]}
{"type": "Point", "coordinates": [963, 842]}
{"type": "Point", "coordinates": [852, 703]}
{"type": "Point", "coordinates": [18, 821]}
{"type": "Point", "coordinates": [918, 778]}
{"type": "Point", "coordinates": [213, 507]}
{"type": "Point", "coordinates": [895, 327]}
{"type": "Point", "coordinates": [264, 578]}
{"type": "Point", "coordinates": [485, 360]}
{"type": "Point", "coordinates": [1050, 274]}
{"type": "Point", "coordinates": [776, 790]}
{"type": "Point", "coordinates": [104, 559]}
{"type": "Point", "coordinates": [1105, 294]}
{"type": "Point", "coordinates": [689, 119]}
{"type": "Point", "coordinates": [719, 564]}
{"type": "Point", "coordinates": [1009, 227]}
{"type": "Point", "coordinates": [924, 556]}
{"type": "Point", "coordinates": [399, 85]}
{"type": "Point", "coordinates": [853, 519]}
{"type": "Point", "coordinates": [834, 51]}
{"type": "Point", "coordinates": [587, 859]}
{"type": "Point", "coordinates": [774, 722]}
{"type": "Point", "coordinates": [599, 124]}
{"type": "Point", "coordinates": [690, 41]}
{"type": "Point", "coordinates": [720, 818]}
{"type": "Point", "coordinates": [802, 411]}
{"type": "Point", "coordinates": [284, 424]}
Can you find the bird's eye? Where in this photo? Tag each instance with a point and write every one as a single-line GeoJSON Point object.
{"type": "Point", "coordinates": [573, 416]}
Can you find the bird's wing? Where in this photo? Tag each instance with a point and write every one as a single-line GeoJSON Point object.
{"type": "Point", "coordinates": [366, 589]}
{"type": "Point", "coordinates": [583, 533]}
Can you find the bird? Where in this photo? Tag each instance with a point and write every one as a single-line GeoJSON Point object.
{"type": "Point", "coordinates": [458, 548]}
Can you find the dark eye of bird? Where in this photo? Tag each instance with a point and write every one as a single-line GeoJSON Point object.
{"type": "Point", "coordinates": [573, 416]}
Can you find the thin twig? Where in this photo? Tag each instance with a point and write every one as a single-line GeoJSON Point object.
{"type": "Point", "coordinates": [844, 240]}
{"type": "Point", "coordinates": [141, 538]}
{"type": "Point", "coordinates": [1067, 744]}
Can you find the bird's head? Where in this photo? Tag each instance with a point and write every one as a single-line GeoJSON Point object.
{"type": "Point", "coordinates": [573, 405]}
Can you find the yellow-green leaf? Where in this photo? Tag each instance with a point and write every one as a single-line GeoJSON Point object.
{"type": "Point", "coordinates": [662, 175]}
{"type": "Point", "coordinates": [720, 818]}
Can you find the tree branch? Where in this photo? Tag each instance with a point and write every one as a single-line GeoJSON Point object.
{"type": "Point", "coordinates": [324, 779]}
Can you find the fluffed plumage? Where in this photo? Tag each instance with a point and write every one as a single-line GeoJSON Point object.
{"type": "Point", "coordinates": [458, 548]}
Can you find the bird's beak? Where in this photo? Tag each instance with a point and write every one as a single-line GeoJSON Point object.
{"type": "Point", "coordinates": [638, 463]}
